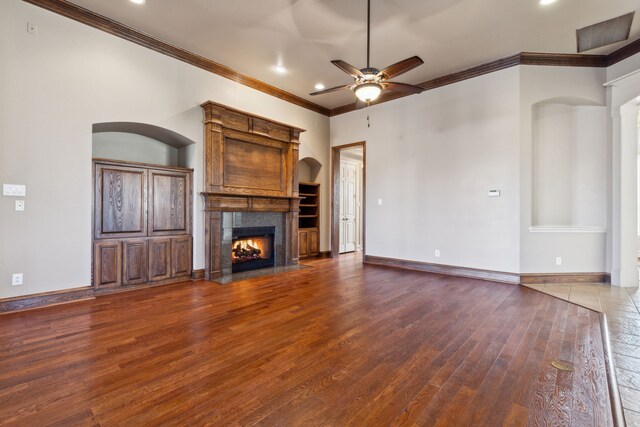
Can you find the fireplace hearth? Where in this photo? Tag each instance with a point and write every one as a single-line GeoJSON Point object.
{"type": "Point", "coordinates": [252, 248]}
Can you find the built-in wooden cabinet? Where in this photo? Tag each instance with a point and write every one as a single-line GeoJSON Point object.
{"type": "Point", "coordinates": [107, 263]}
{"type": "Point", "coordinates": [309, 219]}
{"type": "Point", "coordinates": [134, 265]}
{"type": "Point", "coordinates": [181, 264]}
{"type": "Point", "coordinates": [141, 224]}
{"type": "Point", "coordinates": [159, 259]}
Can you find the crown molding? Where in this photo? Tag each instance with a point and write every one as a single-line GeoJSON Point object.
{"type": "Point", "coordinates": [85, 16]}
{"type": "Point", "coordinates": [624, 52]}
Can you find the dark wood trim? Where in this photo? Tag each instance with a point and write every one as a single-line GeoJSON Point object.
{"type": "Point", "coordinates": [449, 270]}
{"type": "Point", "coordinates": [617, 410]}
{"type": "Point", "coordinates": [30, 302]}
{"type": "Point", "coordinates": [624, 52]}
{"type": "Point", "coordinates": [334, 227]}
{"type": "Point", "coordinates": [319, 255]}
{"type": "Point", "coordinates": [335, 196]}
{"type": "Point", "coordinates": [469, 73]}
{"type": "Point", "coordinates": [563, 59]}
{"type": "Point", "coordinates": [544, 278]}
{"type": "Point", "coordinates": [87, 17]}
{"type": "Point", "coordinates": [197, 274]}
{"type": "Point", "coordinates": [146, 165]}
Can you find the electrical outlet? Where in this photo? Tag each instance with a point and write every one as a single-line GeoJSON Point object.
{"type": "Point", "coordinates": [558, 260]}
{"type": "Point", "coordinates": [19, 205]}
{"type": "Point", "coordinates": [16, 279]}
{"type": "Point", "coordinates": [437, 252]}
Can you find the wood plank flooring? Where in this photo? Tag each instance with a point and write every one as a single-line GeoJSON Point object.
{"type": "Point", "coordinates": [338, 343]}
{"type": "Point", "coordinates": [621, 307]}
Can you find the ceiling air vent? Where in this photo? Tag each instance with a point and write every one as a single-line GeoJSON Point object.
{"type": "Point", "coordinates": [604, 33]}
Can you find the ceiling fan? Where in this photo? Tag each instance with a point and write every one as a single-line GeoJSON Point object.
{"type": "Point", "coordinates": [370, 82]}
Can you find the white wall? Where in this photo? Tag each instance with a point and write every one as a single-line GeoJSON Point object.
{"type": "Point", "coordinates": [55, 85]}
{"type": "Point", "coordinates": [134, 148]}
{"type": "Point", "coordinates": [568, 166]}
{"type": "Point", "coordinates": [581, 250]}
{"type": "Point", "coordinates": [432, 158]}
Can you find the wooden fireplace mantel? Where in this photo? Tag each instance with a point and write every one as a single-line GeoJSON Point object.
{"type": "Point", "coordinates": [251, 165]}
{"type": "Point", "coordinates": [249, 203]}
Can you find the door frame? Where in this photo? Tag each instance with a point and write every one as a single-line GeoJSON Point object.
{"type": "Point", "coordinates": [335, 196]}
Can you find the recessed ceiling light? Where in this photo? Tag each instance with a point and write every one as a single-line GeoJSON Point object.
{"type": "Point", "coordinates": [319, 86]}
{"type": "Point", "coordinates": [137, 1]}
{"type": "Point", "coordinates": [281, 69]}
{"type": "Point", "coordinates": [546, 2]}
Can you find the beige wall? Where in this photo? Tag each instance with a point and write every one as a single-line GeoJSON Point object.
{"type": "Point", "coordinates": [54, 86]}
{"type": "Point", "coordinates": [432, 158]}
{"type": "Point", "coordinates": [581, 250]}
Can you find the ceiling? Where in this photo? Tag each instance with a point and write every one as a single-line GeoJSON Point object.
{"type": "Point", "coordinates": [252, 36]}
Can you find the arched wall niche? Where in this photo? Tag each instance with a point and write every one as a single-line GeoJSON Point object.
{"type": "Point", "coordinates": [569, 144]}
{"type": "Point", "coordinates": [141, 142]}
{"type": "Point", "coordinates": [308, 169]}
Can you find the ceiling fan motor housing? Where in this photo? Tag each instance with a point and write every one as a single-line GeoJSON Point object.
{"type": "Point", "coordinates": [370, 72]}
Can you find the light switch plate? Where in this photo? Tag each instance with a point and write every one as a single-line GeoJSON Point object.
{"type": "Point", "coordinates": [14, 190]}
{"type": "Point", "coordinates": [494, 193]}
{"type": "Point", "coordinates": [379, 202]}
{"type": "Point", "coordinates": [19, 205]}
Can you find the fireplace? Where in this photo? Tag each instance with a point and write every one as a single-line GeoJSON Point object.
{"type": "Point", "coordinates": [252, 248]}
{"type": "Point", "coordinates": [251, 169]}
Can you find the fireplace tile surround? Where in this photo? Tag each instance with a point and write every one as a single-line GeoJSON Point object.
{"type": "Point", "coordinates": [231, 220]}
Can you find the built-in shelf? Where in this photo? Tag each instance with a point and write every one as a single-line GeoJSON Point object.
{"type": "Point", "coordinates": [309, 219]}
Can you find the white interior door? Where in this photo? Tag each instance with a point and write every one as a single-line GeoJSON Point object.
{"type": "Point", "coordinates": [348, 207]}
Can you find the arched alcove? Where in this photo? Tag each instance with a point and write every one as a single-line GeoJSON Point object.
{"type": "Point", "coordinates": [140, 142]}
{"type": "Point", "coordinates": [569, 145]}
{"type": "Point", "coordinates": [308, 169]}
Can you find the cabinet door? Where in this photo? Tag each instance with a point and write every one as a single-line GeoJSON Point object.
{"type": "Point", "coordinates": [181, 256]}
{"type": "Point", "coordinates": [303, 246]}
{"type": "Point", "coordinates": [313, 242]}
{"type": "Point", "coordinates": [159, 259]}
{"type": "Point", "coordinates": [120, 201]}
{"type": "Point", "coordinates": [134, 262]}
{"type": "Point", "coordinates": [107, 264]}
{"type": "Point", "coordinates": [170, 202]}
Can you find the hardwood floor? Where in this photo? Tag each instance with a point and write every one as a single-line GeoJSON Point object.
{"type": "Point", "coordinates": [621, 307]}
{"type": "Point", "coordinates": [338, 343]}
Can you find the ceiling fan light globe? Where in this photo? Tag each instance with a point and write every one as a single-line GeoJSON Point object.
{"type": "Point", "coordinates": [367, 92]}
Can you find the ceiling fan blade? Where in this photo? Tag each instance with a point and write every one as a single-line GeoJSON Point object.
{"type": "Point", "coordinates": [331, 89]}
{"type": "Point", "coordinates": [402, 87]}
{"type": "Point", "coordinates": [400, 67]}
{"type": "Point", "coordinates": [348, 68]}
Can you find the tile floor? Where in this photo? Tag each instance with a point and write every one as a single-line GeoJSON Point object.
{"type": "Point", "coordinates": [621, 307]}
